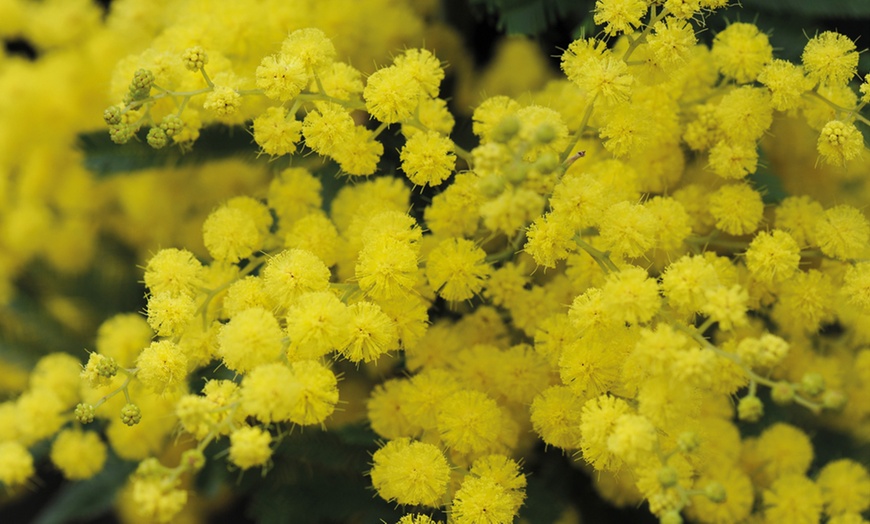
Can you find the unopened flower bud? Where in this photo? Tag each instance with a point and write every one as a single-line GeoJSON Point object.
{"type": "Point", "coordinates": [833, 400]}
{"type": "Point", "coordinates": [131, 415]}
{"type": "Point", "coordinates": [84, 413]}
{"type": "Point", "coordinates": [506, 129]}
{"type": "Point", "coordinates": [782, 393]}
{"type": "Point", "coordinates": [715, 492]}
{"type": "Point", "coordinates": [813, 384]}
{"type": "Point", "coordinates": [750, 409]}
{"type": "Point", "coordinates": [157, 138]}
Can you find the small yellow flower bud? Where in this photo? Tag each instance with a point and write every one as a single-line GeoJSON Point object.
{"type": "Point", "coordinates": [782, 393]}
{"type": "Point", "coordinates": [84, 413]}
{"type": "Point", "coordinates": [715, 492]}
{"type": "Point", "coordinates": [131, 415]}
{"type": "Point", "coordinates": [813, 384]}
{"type": "Point", "coordinates": [750, 409]}
{"type": "Point", "coordinates": [194, 58]}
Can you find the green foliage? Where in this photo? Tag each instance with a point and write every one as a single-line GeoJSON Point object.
{"type": "Point", "coordinates": [316, 478]}
{"type": "Point", "coordinates": [532, 17]}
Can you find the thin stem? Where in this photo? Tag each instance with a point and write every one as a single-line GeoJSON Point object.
{"type": "Point", "coordinates": [601, 257]}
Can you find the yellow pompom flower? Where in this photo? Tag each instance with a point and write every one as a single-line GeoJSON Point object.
{"type": "Point", "coordinates": [470, 422]}
{"type": "Point", "coordinates": [16, 464]}
{"type": "Point", "coordinates": [786, 82]}
{"type": "Point", "coordinates": [845, 487]}
{"type": "Point", "coordinates": [550, 239]}
{"type": "Point", "coordinates": [371, 333]}
{"type": "Point", "coordinates": [327, 127]}
{"type": "Point", "coordinates": [388, 408]}
{"type": "Point", "coordinates": [783, 449]}
{"type": "Point", "coordinates": [620, 16]}
{"type": "Point", "coordinates": [305, 393]}
{"type": "Point", "coordinates": [491, 112]}
{"type": "Point", "coordinates": [122, 337]}
{"type": "Point", "coordinates": [360, 153]}
{"type": "Point", "coordinates": [597, 422]}
{"type": "Point", "coordinates": [391, 94]}
{"type": "Point", "coordinates": [805, 301]}
{"type": "Point", "coordinates": [428, 158]}
{"type": "Point", "coordinates": [733, 160]}
{"type": "Point", "coordinates": [737, 208]}
{"type": "Point", "coordinates": [727, 305]}
{"type": "Point", "coordinates": [671, 41]}
{"type": "Point", "coordinates": [631, 296]}
{"type": "Point", "coordinates": [175, 271]}
{"type": "Point", "coordinates": [792, 498]}
{"type": "Point", "coordinates": [628, 230]}
{"type": "Point", "coordinates": [294, 193]}
{"type": "Point", "coordinates": [316, 233]}
{"type": "Point", "coordinates": [843, 233]}
{"type": "Point", "coordinates": [798, 215]}
{"type": "Point", "coordinates": [61, 373]}
{"type": "Point", "coordinates": [250, 446]}
{"type": "Point", "coordinates": [634, 439]}
{"type": "Point", "coordinates": [244, 294]}
{"type": "Point", "coordinates": [251, 338]}
{"type": "Point", "coordinates": [739, 497]}
{"type": "Point", "coordinates": [773, 257]}
{"type": "Point", "coordinates": [830, 58]}
{"type": "Point", "coordinates": [78, 454]}
{"type": "Point", "coordinates": [605, 78]}
{"type": "Point", "coordinates": [276, 132]}
{"type": "Point", "coordinates": [745, 114]}
{"type": "Point", "coordinates": [840, 142]}
{"type": "Point", "coordinates": [316, 325]}
{"type": "Point", "coordinates": [410, 472]}
{"type": "Point", "coordinates": [169, 315]}
{"type": "Point", "coordinates": [291, 273]}
{"type": "Point", "coordinates": [387, 267]}
{"type": "Point", "coordinates": [162, 366]}
{"type": "Point", "coordinates": [741, 51]}
{"type": "Point", "coordinates": [424, 67]}
{"type": "Point", "coordinates": [223, 101]}
{"type": "Point", "coordinates": [39, 415]}
{"type": "Point", "coordinates": [417, 519]}
{"type": "Point", "coordinates": [555, 416]}
{"type": "Point", "coordinates": [483, 500]}
{"type": "Point", "coordinates": [856, 285]}
{"type": "Point", "coordinates": [281, 77]}
{"type": "Point", "coordinates": [685, 281]}
{"type": "Point", "coordinates": [457, 269]}
{"type": "Point", "coordinates": [310, 46]}
{"type": "Point", "coordinates": [674, 222]}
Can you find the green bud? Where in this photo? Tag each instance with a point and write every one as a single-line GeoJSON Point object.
{"type": "Point", "coordinates": [516, 172]}
{"type": "Point", "coordinates": [192, 460]}
{"type": "Point", "coordinates": [715, 492]}
{"type": "Point", "coordinates": [688, 441]}
{"type": "Point", "coordinates": [545, 133]}
{"type": "Point", "coordinates": [668, 477]}
{"type": "Point", "coordinates": [813, 384]}
{"type": "Point", "coordinates": [171, 124]}
{"type": "Point", "coordinates": [671, 516]}
{"type": "Point", "coordinates": [506, 129]}
{"type": "Point", "coordinates": [491, 186]}
{"type": "Point", "coordinates": [750, 409]}
{"type": "Point", "coordinates": [157, 138]}
{"type": "Point", "coordinates": [547, 163]}
{"type": "Point", "coordinates": [143, 79]}
{"type": "Point", "coordinates": [121, 133]}
{"type": "Point", "coordinates": [112, 115]}
{"type": "Point", "coordinates": [84, 413]}
{"type": "Point", "coordinates": [194, 58]}
{"type": "Point", "coordinates": [131, 415]}
{"type": "Point", "coordinates": [782, 393]}
{"type": "Point", "coordinates": [833, 400]}
{"type": "Point", "coordinates": [107, 367]}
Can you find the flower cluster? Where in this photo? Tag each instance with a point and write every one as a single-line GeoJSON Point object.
{"type": "Point", "coordinates": [603, 271]}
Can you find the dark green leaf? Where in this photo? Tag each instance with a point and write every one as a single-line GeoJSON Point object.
{"type": "Point", "coordinates": [104, 157]}
{"type": "Point", "coordinates": [813, 8]}
{"type": "Point", "coordinates": [87, 499]}
{"type": "Point", "coordinates": [531, 17]}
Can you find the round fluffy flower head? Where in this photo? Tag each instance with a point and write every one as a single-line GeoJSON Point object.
{"type": "Point", "coordinates": [417, 519]}
{"type": "Point", "coordinates": [371, 333]}
{"type": "Point", "coordinates": [78, 454]}
{"type": "Point", "coordinates": [741, 51]}
{"type": "Point", "coordinates": [634, 438]}
{"type": "Point", "coordinates": [856, 285]}
{"type": "Point", "coordinates": [250, 446]}
{"type": "Point", "coordinates": [293, 272]}
{"type": "Point", "coordinates": [410, 472]}
{"type": "Point", "coordinates": [843, 233]}
{"type": "Point", "coordinates": [620, 15]}
{"type": "Point", "coordinates": [168, 315]}
{"type": "Point", "coordinates": [597, 422]}
{"type": "Point", "coordinates": [16, 463]}
{"type": "Point", "coordinates": [606, 77]}
{"type": "Point", "coordinates": [555, 416]}
{"type": "Point", "coordinates": [162, 365]}
{"type": "Point", "coordinates": [327, 127]}
{"type": "Point", "coordinates": [488, 116]}
{"type": "Point", "coordinates": [792, 498]}
{"type": "Point", "coordinates": [267, 394]}
{"type": "Point", "coordinates": [122, 337]}
{"type": "Point", "coordinates": [310, 46]}
{"type": "Point", "coordinates": [672, 41]}
{"type": "Point", "coordinates": [174, 271]}
{"type": "Point", "coordinates": [230, 234]}
{"type": "Point", "coordinates": [251, 338]}
{"type": "Point", "coordinates": [505, 471]}
{"type": "Point", "coordinates": [745, 114]}
{"type": "Point", "coordinates": [359, 155]}
{"type": "Point", "coordinates": [62, 373]}
{"type": "Point", "coordinates": [786, 82]}
{"type": "Point", "coordinates": [387, 267]}
{"type": "Point", "coordinates": [830, 58]}
{"type": "Point", "coordinates": [733, 160]}
{"type": "Point", "coordinates": [157, 498]}
{"type": "Point", "coordinates": [550, 239]}
{"type": "Point", "coordinates": [424, 67]}
{"type": "Point", "coordinates": [482, 500]}
{"type": "Point", "coordinates": [457, 269]}
{"type": "Point", "coordinates": [275, 133]}
{"type": "Point", "coordinates": [845, 487]}
{"type": "Point", "coordinates": [428, 158]}
{"type": "Point", "coordinates": [314, 392]}
{"type": "Point", "coordinates": [281, 77]}
{"type": "Point", "coordinates": [840, 142]}
{"type": "Point", "coordinates": [316, 325]}
{"type": "Point", "coordinates": [628, 230]}
{"type": "Point", "coordinates": [773, 257]}
{"type": "Point", "coordinates": [737, 208]}
{"type": "Point", "coordinates": [727, 305]}
{"type": "Point", "coordinates": [470, 422]}
{"type": "Point", "coordinates": [631, 296]}
{"type": "Point", "coordinates": [391, 94]}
